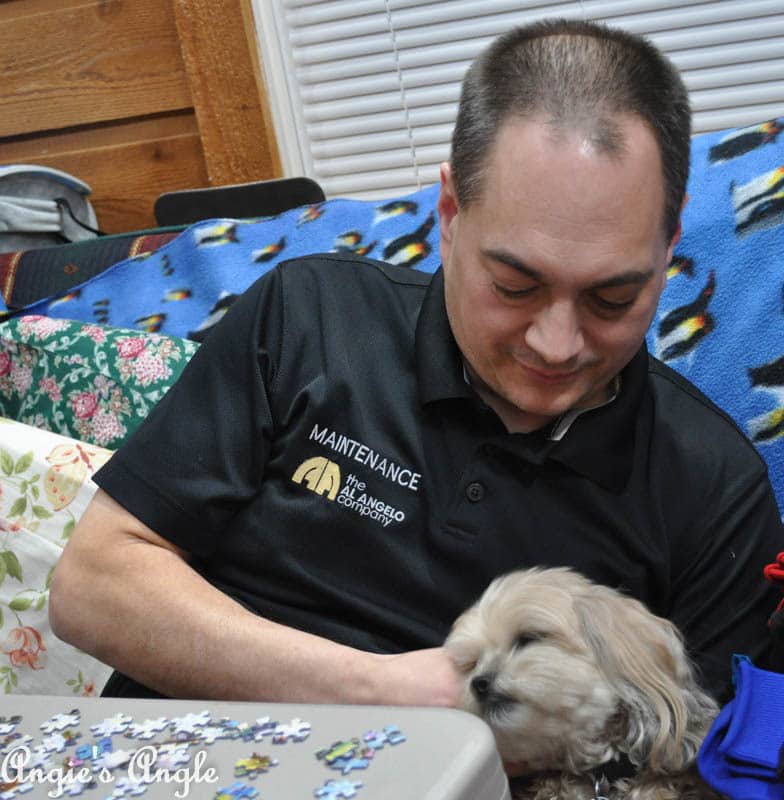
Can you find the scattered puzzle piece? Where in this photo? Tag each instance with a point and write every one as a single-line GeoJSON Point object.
{"type": "Point", "coordinates": [117, 724]}
{"type": "Point", "coordinates": [375, 740]}
{"type": "Point", "coordinates": [337, 750]}
{"type": "Point", "coordinates": [73, 785]}
{"type": "Point", "coordinates": [211, 733]}
{"type": "Point", "coordinates": [394, 734]}
{"type": "Point", "coordinates": [253, 766]}
{"type": "Point", "coordinates": [242, 730]}
{"type": "Point", "coordinates": [332, 790]}
{"type": "Point", "coordinates": [59, 722]}
{"type": "Point", "coordinates": [264, 727]}
{"type": "Point", "coordinates": [172, 756]}
{"type": "Point", "coordinates": [295, 731]}
{"type": "Point", "coordinates": [347, 765]}
{"type": "Point", "coordinates": [56, 742]}
{"type": "Point", "coordinates": [14, 740]}
{"type": "Point", "coordinates": [238, 789]}
{"type": "Point", "coordinates": [147, 729]}
{"type": "Point", "coordinates": [190, 722]}
{"type": "Point", "coordinates": [112, 759]}
{"type": "Point", "coordinates": [126, 787]}
{"type": "Point", "coordinates": [87, 752]}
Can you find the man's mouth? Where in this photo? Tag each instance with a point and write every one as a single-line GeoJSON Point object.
{"type": "Point", "coordinates": [550, 375]}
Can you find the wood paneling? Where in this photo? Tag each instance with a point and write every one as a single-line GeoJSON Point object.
{"type": "Point", "coordinates": [219, 49]}
{"type": "Point", "coordinates": [125, 165]}
{"type": "Point", "coordinates": [94, 62]}
{"type": "Point", "coordinates": [135, 97]}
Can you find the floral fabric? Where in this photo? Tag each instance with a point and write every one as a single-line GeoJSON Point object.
{"type": "Point", "coordinates": [45, 485]}
{"type": "Point", "coordinates": [91, 382]}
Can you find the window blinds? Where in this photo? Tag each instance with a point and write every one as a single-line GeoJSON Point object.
{"type": "Point", "coordinates": [364, 92]}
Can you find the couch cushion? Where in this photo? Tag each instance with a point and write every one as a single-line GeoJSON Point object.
{"type": "Point", "coordinates": [91, 382]}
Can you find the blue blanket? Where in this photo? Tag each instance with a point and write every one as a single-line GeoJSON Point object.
{"type": "Point", "coordinates": [720, 320]}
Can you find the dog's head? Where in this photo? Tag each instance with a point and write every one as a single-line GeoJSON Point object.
{"type": "Point", "coordinates": [569, 674]}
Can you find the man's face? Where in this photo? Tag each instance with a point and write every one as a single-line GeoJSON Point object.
{"type": "Point", "coordinates": [552, 277]}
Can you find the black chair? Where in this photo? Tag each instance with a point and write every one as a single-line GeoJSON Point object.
{"type": "Point", "coordinates": [239, 201]}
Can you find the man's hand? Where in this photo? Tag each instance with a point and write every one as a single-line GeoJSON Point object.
{"type": "Point", "coordinates": [418, 678]}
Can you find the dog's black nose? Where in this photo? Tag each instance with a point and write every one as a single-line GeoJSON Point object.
{"type": "Point", "coordinates": [481, 684]}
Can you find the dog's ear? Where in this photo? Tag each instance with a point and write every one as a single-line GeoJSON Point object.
{"type": "Point", "coordinates": [663, 714]}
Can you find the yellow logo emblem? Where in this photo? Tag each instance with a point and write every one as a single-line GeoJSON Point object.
{"type": "Point", "coordinates": [320, 475]}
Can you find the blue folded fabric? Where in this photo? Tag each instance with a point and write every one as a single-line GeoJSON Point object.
{"type": "Point", "coordinates": [740, 754]}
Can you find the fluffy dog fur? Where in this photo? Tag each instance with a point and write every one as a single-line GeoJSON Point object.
{"type": "Point", "coordinates": [570, 675]}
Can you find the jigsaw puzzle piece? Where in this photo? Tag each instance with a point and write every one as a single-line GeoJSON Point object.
{"type": "Point", "coordinates": [59, 722]}
{"type": "Point", "coordinates": [333, 790]}
{"type": "Point", "coordinates": [236, 791]}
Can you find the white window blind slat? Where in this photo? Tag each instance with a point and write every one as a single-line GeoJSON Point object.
{"type": "Point", "coordinates": [733, 55]}
{"type": "Point", "coordinates": [388, 159]}
{"type": "Point", "coordinates": [365, 92]}
{"type": "Point", "coordinates": [415, 98]}
{"type": "Point", "coordinates": [378, 142]}
{"type": "Point", "coordinates": [738, 75]}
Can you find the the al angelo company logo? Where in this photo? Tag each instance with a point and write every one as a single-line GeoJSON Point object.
{"type": "Point", "coordinates": [323, 476]}
{"type": "Point", "coordinates": [320, 475]}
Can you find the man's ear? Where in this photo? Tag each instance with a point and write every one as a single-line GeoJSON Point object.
{"type": "Point", "coordinates": [447, 202]}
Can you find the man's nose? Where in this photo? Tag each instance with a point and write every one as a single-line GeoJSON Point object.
{"type": "Point", "coordinates": [555, 334]}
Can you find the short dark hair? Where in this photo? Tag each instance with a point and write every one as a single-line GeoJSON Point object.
{"type": "Point", "coordinates": [575, 74]}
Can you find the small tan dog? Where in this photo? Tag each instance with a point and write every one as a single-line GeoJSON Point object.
{"type": "Point", "coordinates": [570, 676]}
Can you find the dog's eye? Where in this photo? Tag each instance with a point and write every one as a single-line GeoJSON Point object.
{"type": "Point", "coordinates": [524, 639]}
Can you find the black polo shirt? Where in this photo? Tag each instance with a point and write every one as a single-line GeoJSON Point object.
{"type": "Point", "coordinates": [326, 463]}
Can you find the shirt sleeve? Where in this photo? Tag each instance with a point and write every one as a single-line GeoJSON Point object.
{"type": "Point", "coordinates": [720, 598]}
{"type": "Point", "coordinates": [200, 454]}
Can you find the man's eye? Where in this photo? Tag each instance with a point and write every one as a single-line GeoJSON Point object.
{"type": "Point", "coordinates": [512, 294]}
{"type": "Point", "coordinates": [613, 305]}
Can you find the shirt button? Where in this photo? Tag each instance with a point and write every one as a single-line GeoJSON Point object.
{"type": "Point", "coordinates": [475, 491]}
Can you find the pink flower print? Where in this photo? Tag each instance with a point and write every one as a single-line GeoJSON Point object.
{"type": "Point", "coordinates": [130, 348]}
{"type": "Point", "coordinates": [149, 368]}
{"type": "Point", "coordinates": [97, 334]}
{"type": "Point", "coordinates": [5, 362]}
{"type": "Point", "coordinates": [105, 428]}
{"type": "Point", "coordinates": [25, 647]}
{"type": "Point", "coordinates": [22, 378]}
{"type": "Point", "coordinates": [49, 387]}
{"type": "Point", "coordinates": [84, 404]}
{"type": "Point", "coordinates": [42, 326]}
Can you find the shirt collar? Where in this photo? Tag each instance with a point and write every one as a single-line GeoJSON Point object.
{"type": "Point", "coordinates": [439, 361]}
{"type": "Point", "coordinates": [598, 443]}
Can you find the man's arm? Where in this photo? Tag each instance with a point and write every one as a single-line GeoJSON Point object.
{"type": "Point", "coordinates": [721, 600]}
{"type": "Point", "coordinates": [128, 596]}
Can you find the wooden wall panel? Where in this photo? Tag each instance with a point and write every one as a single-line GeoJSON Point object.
{"type": "Point", "coordinates": [127, 165]}
{"type": "Point", "coordinates": [95, 62]}
{"type": "Point", "coordinates": [220, 52]}
{"type": "Point", "coordinates": [135, 97]}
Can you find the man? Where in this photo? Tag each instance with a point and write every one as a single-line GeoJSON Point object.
{"type": "Point", "coordinates": [357, 450]}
